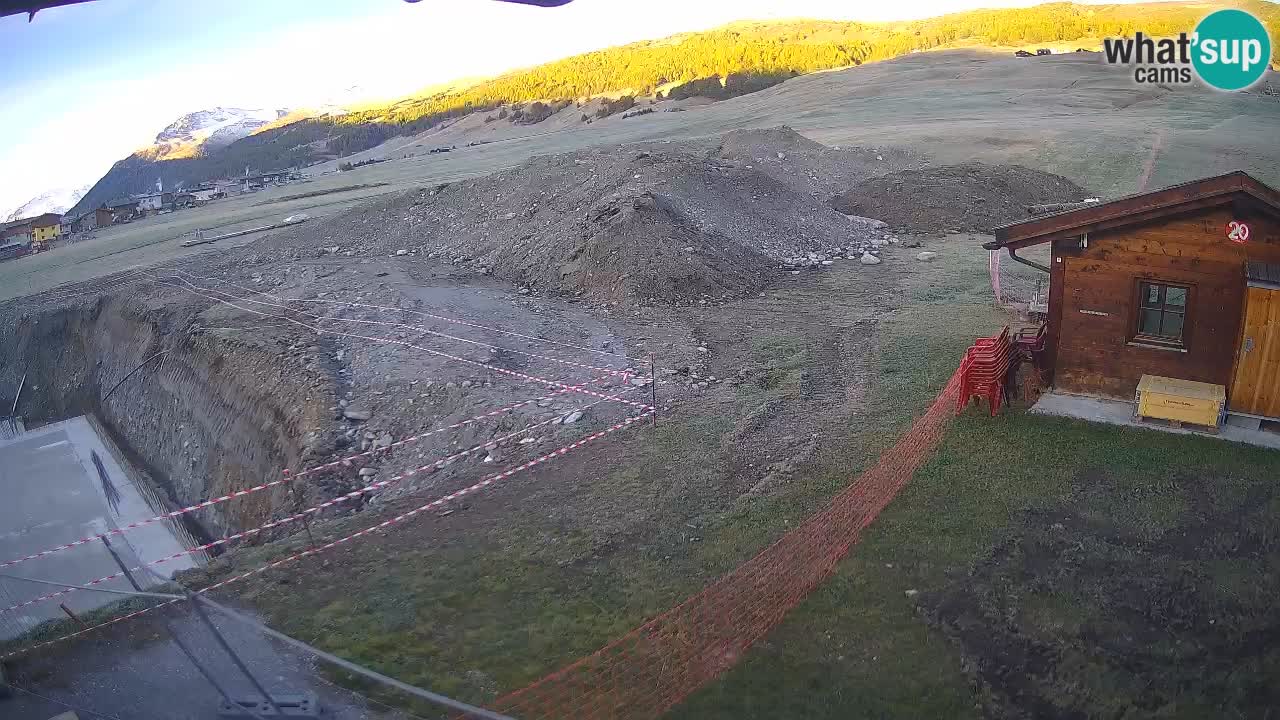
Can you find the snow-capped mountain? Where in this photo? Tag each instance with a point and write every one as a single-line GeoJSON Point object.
{"type": "Point", "coordinates": [197, 132]}
{"type": "Point", "coordinates": [218, 126]}
{"type": "Point", "coordinates": [58, 201]}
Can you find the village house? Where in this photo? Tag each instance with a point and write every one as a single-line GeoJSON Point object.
{"type": "Point", "coordinates": [35, 232]}
{"type": "Point", "coordinates": [15, 231]}
{"type": "Point", "coordinates": [205, 193]}
{"type": "Point", "coordinates": [93, 219]}
{"type": "Point", "coordinates": [123, 210]}
{"type": "Point", "coordinates": [44, 228]}
{"type": "Point", "coordinates": [1158, 289]}
{"type": "Point", "coordinates": [152, 202]}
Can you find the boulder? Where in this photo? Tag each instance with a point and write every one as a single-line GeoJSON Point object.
{"type": "Point", "coordinates": [358, 414]}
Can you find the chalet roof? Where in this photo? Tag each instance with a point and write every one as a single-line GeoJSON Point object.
{"type": "Point", "coordinates": [1234, 187]}
{"type": "Point", "coordinates": [41, 220]}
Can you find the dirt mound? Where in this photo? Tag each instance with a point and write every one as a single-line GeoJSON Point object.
{"type": "Point", "coordinates": [808, 166]}
{"type": "Point", "coordinates": [655, 223]}
{"type": "Point", "coordinates": [973, 196]}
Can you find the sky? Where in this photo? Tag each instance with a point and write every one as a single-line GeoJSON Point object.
{"type": "Point", "coordinates": [86, 85]}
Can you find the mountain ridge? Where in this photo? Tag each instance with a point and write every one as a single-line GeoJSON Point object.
{"type": "Point", "coordinates": [57, 200]}
{"type": "Point", "coordinates": [757, 53]}
{"type": "Point", "coordinates": [197, 132]}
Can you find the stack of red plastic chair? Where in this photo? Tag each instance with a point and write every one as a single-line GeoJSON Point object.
{"type": "Point", "coordinates": [985, 371]}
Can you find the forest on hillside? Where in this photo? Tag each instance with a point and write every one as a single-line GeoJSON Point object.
{"type": "Point", "coordinates": [795, 47]}
{"type": "Point", "coordinates": [758, 53]}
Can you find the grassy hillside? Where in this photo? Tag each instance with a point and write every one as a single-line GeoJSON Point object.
{"type": "Point", "coordinates": [798, 47]}
{"type": "Point", "coordinates": [751, 55]}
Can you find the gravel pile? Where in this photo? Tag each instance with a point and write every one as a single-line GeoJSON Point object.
{"type": "Point", "coordinates": [808, 166]}
{"type": "Point", "coordinates": [654, 223]}
{"type": "Point", "coordinates": [971, 197]}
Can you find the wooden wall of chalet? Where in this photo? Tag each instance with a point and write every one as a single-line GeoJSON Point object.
{"type": "Point", "coordinates": [1093, 291]}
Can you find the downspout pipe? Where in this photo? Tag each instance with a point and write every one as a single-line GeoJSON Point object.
{"type": "Point", "coordinates": [1013, 253]}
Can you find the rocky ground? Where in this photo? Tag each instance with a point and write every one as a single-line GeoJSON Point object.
{"type": "Point", "coordinates": [598, 251]}
{"type": "Point", "coordinates": [651, 223]}
{"type": "Point", "coordinates": [971, 197]}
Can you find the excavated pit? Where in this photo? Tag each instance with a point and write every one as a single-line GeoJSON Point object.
{"type": "Point", "coordinates": [207, 417]}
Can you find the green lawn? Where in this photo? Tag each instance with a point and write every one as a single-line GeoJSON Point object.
{"type": "Point", "coordinates": [1076, 568]}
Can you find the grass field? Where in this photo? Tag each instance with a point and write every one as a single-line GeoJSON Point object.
{"type": "Point", "coordinates": [1078, 570]}
{"type": "Point", "coordinates": [1058, 569]}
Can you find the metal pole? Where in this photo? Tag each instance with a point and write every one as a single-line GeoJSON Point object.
{"type": "Point", "coordinates": [205, 671]}
{"type": "Point", "coordinates": [222, 641]}
{"type": "Point", "coordinates": [92, 588]}
{"type": "Point", "coordinates": [653, 389]}
{"type": "Point", "coordinates": [298, 507]}
{"type": "Point", "coordinates": [174, 634]}
{"type": "Point", "coordinates": [21, 384]}
{"type": "Point", "coordinates": [72, 615]}
{"type": "Point", "coordinates": [123, 568]}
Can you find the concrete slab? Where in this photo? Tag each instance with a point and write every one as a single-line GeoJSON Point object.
{"type": "Point", "coordinates": [52, 495]}
{"type": "Point", "coordinates": [134, 671]}
{"type": "Point", "coordinates": [1119, 412]}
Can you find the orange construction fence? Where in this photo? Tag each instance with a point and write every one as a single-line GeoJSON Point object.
{"type": "Point", "coordinates": [651, 669]}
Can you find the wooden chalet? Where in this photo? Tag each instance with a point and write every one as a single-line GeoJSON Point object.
{"type": "Point", "coordinates": [1180, 283]}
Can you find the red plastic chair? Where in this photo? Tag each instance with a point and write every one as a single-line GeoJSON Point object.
{"type": "Point", "coordinates": [985, 371]}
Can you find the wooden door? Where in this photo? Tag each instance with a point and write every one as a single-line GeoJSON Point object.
{"type": "Point", "coordinates": [1256, 388]}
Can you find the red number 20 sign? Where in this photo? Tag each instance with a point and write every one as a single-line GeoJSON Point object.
{"type": "Point", "coordinates": [1237, 232]}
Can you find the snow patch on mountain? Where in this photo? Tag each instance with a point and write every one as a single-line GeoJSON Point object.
{"type": "Point", "coordinates": [58, 200]}
{"type": "Point", "coordinates": [216, 127]}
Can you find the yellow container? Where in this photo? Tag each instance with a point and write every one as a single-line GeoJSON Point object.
{"type": "Point", "coordinates": [1180, 400]}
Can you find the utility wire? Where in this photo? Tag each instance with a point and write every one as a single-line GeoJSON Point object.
{"type": "Point", "coordinates": [137, 593]}
{"type": "Point", "coordinates": [352, 667]}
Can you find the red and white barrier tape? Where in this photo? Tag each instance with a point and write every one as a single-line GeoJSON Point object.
{"type": "Point", "coordinates": [481, 485]}
{"type": "Point", "coordinates": [241, 493]}
{"type": "Point", "coordinates": [442, 318]}
{"type": "Point", "coordinates": [273, 483]}
{"type": "Point", "coordinates": [435, 503]}
{"type": "Point", "coordinates": [321, 331]}
{"type": "Point", "coordinates": [108, 283]}
{"type": "Point", "coordinates": [611, 371]}
{"type": "Point", "coordinates": [309, 511]}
